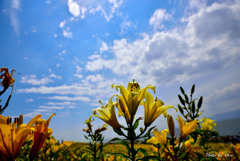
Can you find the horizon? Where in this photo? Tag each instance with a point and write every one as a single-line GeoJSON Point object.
{"type": "Point", "coordinates": [67, 54]}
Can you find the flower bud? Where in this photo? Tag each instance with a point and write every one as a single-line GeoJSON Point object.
{"type": "Point", "coordinates": [171, 125]}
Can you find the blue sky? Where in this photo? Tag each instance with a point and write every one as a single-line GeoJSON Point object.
{"type": "Point", "coordinates": [70, 52]}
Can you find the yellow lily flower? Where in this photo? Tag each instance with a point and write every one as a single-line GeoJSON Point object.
{"type": "Point", "coordinates": [193, 148]}
{"type": "Point", "coordinates": [159, 138]}
{"type": "Point", "coordinates": [107, 114]}
{"type": "Point", "coordinates": [6, 77]}
{"type": "Point", "coordinates": [186, 128]}
{"type": "Point", "coordinates": [153, 109]}
{"type": "Point", "coordinates": [130, 98]}
{"type": "Point", "coordinates": [13, 135]}
{"type": "Point", "coordinates": [42, 132]}
{"type": "Point", "coordinates": [207, 124]}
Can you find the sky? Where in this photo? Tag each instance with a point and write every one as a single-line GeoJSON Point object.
{"type": "Point", "coordinates": [68, 53]}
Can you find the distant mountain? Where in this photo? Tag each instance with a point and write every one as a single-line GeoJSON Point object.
{"type": "Point", "coordinates": [228, 127]}
{"type": "Point", "coordinates": [226, 115]}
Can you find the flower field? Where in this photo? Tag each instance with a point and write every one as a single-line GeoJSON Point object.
{"type": "Point", "coordinates": [33, 141]}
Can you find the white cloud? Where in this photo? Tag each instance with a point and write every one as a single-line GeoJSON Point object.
{"type": "Point", "coordinates": [224, 100]}
{"type": "Point", "coordinates": [158, 17]}
{"type": "Point", "coordinates": [15, 7]}
{"type": "Point", "coordinates": [29, 100]}
{"type": "Point", "coordinates": [55, 76]}
{"type": "Point", "coordinates": [60, 103]}
{"type": "Point", "coordinates": [107, 8]}
{"type": "Point", "coordinates": [62, 24]}
{"type": "Point", "coordinates": [52, 107]}
{"type": "Point", "coordinates": [66, 98]}
{"type": "Point", "coordinates": [67, 34]}
{"type": "Point", "coordinates": [104, 47]}
{"type": "Point", "coordinates": [95, 86]}
{"type": "Point", "coordinates": [58, 65]}
{"type": "Point", "coordinates": [126, 24]}
{"type": "Point", "coordinates": [229, 90]}
{"type": "Point", "coordinates": [204, 46]}
{"type": "Point", "coordinates": [33, 80]}
{"type": "Point", "coordinates": [92, 57]}
{"type": "Point", "coordinates": [78, 70]}
{"type": "Point", "coordinates": [36, 112]}
{"type": "Point", "coordinates": [74, 8]}
{"type": "Point", "coordinates": [71, 105]}
{"type": "Point", "coordinates": [197, 4]}
{"type": "Point", "coordinates": [16, 4]}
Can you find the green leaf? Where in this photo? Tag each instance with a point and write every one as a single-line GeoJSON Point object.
{"type": "Point", "coordinates": [125, 144]}
{"type": "Point", "coordinates": [86, 137]}
{"type": "Point", "coordinates": [121, 155]}
{"type": "Point", "coordinates": [181, 100]}
{"type": "Point", "coordinates": [193, 89]}
{"type": "Point", "coordinates": [182, 90]}
{"type": "Point", "coordinates": [115, 139]}
{"type": "Point", "coordinates": [136, 123]}
{"type": "Point", "coordinates": [200, 102]}
{"type": "Point", "coordinates": [142, 151]}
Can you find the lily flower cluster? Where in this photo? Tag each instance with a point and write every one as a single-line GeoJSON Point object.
{"type": "Point", "coordinates": [207, 124]}
{"type": "Point", "coordinates": [14, 134]}
{"type": "Point", "coordinates": [127, 104]}
{"type": "Point", "coordinates": [175, 148]}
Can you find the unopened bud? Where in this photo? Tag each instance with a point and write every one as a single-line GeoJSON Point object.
{"type": "Point", "coordinates": [171, 125]}
{"type": "Point", "coordinates": [20, 120]}
{"type": "Point", "coordinates": [94, 111]}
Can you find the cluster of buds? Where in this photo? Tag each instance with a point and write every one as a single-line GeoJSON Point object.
{"type": "Point", "coordinates": [188, 108]}
{"type": "Point", "coordinates": [96, 140]}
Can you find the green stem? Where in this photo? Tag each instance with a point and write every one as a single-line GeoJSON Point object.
{"type": "Point", "coordinates": [132, 139]}
{"type": "Point", "coordinates": [132, 150]}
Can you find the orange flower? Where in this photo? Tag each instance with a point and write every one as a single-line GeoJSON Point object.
{"type": "Point", "coordinates": [13, 135]}
{"type": "Point", "coordinates": [6, 77]}
{"type": "Point", "coordinates": [42, 132]}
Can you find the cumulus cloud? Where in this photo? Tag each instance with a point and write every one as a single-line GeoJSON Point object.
{"type": "Point", "coordinates": [204, 45]}
{"type": "Point", "coordinates": [33, 80]}
{"type": "Point", "coordinates": [197, 4]}
{"type": "Point", "coordinates": [158, 17]}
